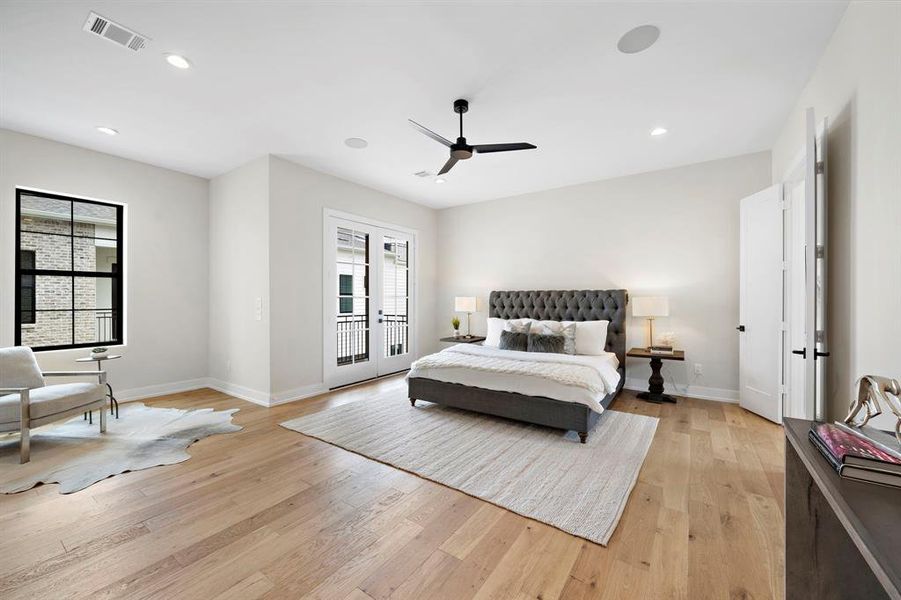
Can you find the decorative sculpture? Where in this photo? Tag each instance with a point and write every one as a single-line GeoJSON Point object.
{"type": "Point", "coordinates": [872, 388]}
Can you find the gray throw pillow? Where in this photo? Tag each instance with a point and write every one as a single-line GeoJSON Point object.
{"type": "Point", "coordinates": [546, 343]}
{"type": "Point", "coordinates": [514, 341]}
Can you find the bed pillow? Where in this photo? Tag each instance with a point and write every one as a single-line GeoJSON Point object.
{"type": "Point", "coordinates": [518, 325]}
{"type": "Point", "coordinates": [493, 331]}
{"type": "Point", "coordinates": [591, 337]}
{"type": "Point", "coordinates": [514, 341]}
{"type": "Point", "coordinates": [553, 344]}
{"type": "Point", "coordinates": [568, 331]}
{"type": "Point", "coordinates": [495, 326]}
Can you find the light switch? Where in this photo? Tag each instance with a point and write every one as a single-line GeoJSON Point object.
{"type": "Point", "coordinates": [258, 309]}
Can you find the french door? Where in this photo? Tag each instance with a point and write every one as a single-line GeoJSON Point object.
{"type": "Point", "coordinates": [369, 317]}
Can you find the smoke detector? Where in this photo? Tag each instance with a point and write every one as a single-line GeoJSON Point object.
{"type": "Point", "coordinates": [114, 32]}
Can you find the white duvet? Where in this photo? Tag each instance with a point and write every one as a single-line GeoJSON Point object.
{"type": "Point", "coordinates": [569, 378]}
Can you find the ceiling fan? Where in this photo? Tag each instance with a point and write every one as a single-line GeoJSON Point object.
{"type": "Point", "coordinates": [461, 150]}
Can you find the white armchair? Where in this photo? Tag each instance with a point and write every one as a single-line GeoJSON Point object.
{"type": "Point", "coordinates": [26, 402]}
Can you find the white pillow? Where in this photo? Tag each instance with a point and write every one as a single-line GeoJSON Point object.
{"type": "Point", "coordinates": [493, 331]}
{"type": "Point", "coordinates": [591, 337]}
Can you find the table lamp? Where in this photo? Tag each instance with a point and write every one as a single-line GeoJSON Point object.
{"type": "Point", "coordinates": [651, 307]}
{"type": "Point", "coordinates": [465, 304]}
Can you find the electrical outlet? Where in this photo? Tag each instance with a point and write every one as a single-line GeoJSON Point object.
{"type": "Point", "coordinates": [699, 369]}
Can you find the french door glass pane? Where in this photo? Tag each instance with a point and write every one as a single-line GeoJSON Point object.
{"type": "Point", "coordinates": [395, 296]}
{"type": "Point", "coordinates": [352, 299]}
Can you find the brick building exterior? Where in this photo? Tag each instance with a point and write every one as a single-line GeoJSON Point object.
{"type": "Point", "coordinates": [55, 252]}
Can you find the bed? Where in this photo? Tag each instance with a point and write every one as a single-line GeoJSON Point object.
{"type": "Point", "coordinates": [526, 398]}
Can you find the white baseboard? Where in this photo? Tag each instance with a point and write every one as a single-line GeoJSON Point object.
{"type": "Point", "coordinates": [691, 391]}
{"type": "Point", "coordinates": [239, 391]}
{"type": "Point", "coordinates": [262, 398]}
{"type": "Point", "coordinates": [160, 389]}
{"type": "Point", "coordinates": [299, 393]}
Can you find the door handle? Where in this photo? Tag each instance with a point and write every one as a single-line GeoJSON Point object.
{"type": "Point", "coordinates": [802, 352]}
{"type": "Point", "coordinates": [817, 353]}
{"type": "Point", "coordinates": [741, 328]}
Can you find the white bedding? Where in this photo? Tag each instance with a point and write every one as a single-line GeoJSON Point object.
{"type": "Point", "coordinates": [568, 378]}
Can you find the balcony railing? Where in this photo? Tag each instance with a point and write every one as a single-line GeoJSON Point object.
{"type": "Point", "coordinates": [106, 327]}
{"type": "Point", "coordinates": [353, 337]}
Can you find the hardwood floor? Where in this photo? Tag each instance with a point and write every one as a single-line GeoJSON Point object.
{"type": "Point", "coordinates": [270, 513]}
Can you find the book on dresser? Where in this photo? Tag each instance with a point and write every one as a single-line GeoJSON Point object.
{"type": "Point", "coordinates": [854, 456]}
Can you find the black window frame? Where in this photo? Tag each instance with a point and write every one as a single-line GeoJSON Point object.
{"type": "Point", "coordinates": [117, 276]}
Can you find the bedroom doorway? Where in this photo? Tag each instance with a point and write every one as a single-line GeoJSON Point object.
{"type": "Point", "coordinates": [369, 317]}
{"type": "Point", "coordinates": [782, 307]}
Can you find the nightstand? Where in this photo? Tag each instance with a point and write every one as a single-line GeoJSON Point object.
{"type": "Point", "coordinates": [464, 339]}
{"type": "Point", "coordinates": [655, 382]}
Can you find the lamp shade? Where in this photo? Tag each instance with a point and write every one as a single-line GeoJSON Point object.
{"type": "Point", "coordinates": [650, 306]}
{"type": "Point", "coordinates": [465, 304]}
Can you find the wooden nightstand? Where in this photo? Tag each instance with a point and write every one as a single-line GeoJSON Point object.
{"type": "Point", "coordinates": [655, 382]}
{"type": "Point", "coordinates": [463, 339]}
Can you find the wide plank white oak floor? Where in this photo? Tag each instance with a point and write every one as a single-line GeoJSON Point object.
{"type": "Point", "coordinates": [269, 513]}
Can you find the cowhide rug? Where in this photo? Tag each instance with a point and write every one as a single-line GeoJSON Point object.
{"type": "Point", "coordinates": [76, 455]}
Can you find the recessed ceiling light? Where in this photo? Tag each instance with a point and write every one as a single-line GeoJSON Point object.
{"type": "Point", "coordinates": [658, 131]}
{"type": "Point", "coordinates": [440, 180]}
{"type": "Point", "coordinates": [639, 39]}
{"type": "Point", "coordinates": [358, 143]}
{"type": "Point", "coordinates": [107, 130]}
{"type": "Point", "coordinates": [178, 61]}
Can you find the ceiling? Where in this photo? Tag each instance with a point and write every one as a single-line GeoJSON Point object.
{"type": "Point", "coordinates": [296, 80]}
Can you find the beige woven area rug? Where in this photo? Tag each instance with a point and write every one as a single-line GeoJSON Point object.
{"type": "Point", "coordinates": [538, 472]}
{"type": "Point", "coordinates": [75, 454]}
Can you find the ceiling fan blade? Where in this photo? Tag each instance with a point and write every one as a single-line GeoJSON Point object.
{"type": "Point", "coordinates": [431, 134]}
{"type": "Point", "coordinates": [483, 148]}
{"type": "Point", "coordinates": [448, 165]}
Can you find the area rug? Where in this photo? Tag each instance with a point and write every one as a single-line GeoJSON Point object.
{"type": "Point", "coordinates": [75, 454]}
{"type": "Point", "coordinates": [541, 473]}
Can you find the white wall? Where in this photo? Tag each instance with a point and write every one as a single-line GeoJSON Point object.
{"type": "Point", "coordinates": [239, 276]}
{"type": "Point", "coordinates": [857, 85]}
{"type": "Point", "coordinates": [266, 240]}
{"type": "Point", "coordinates": [298, 196]}
{"type": "Point", "coordinates": [672, 233]}
{"type": "Point", "coordinates": [165, 254]}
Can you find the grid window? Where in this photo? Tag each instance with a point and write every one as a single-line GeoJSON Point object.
{"type": "Point", "coordinates": [68, 272]}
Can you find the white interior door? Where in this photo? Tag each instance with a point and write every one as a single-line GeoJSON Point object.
{"type": "Point", "coordinates": [368, 300]}
{"type": "Point", "coordinates": [806, 229]}
{"type": "Point", "coordinates": [760, 303]}
{"type": "Point", "coordinates": [820, 339]}
{"type": "Point", "coordinates": [796, 404]}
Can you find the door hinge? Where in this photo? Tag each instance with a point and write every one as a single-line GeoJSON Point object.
{"type": "Point", "coordinates": [785, 265]}
{"type": "Point", "coordinates": [783, 326]}
{"type": "Point", "coordinates": [783, 205]}
{"type": "Point", "coordinates": [820, 167]}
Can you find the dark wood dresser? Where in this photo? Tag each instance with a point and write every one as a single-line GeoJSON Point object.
{"type": "Point", "coordinates": [842, 538]}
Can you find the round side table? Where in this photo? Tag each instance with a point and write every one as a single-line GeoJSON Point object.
{"type": "Point", "coordinates": [112, 399]}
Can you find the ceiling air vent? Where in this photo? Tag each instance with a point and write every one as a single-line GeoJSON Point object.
{"type": "Point", "coordinates": [113, 32]}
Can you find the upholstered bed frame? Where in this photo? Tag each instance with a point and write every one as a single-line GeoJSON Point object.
{"type": "Point", "coordinates": [584, 305]}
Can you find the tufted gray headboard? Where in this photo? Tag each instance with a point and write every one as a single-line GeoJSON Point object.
{"type": "Point", "coordinates": [568, 305]}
